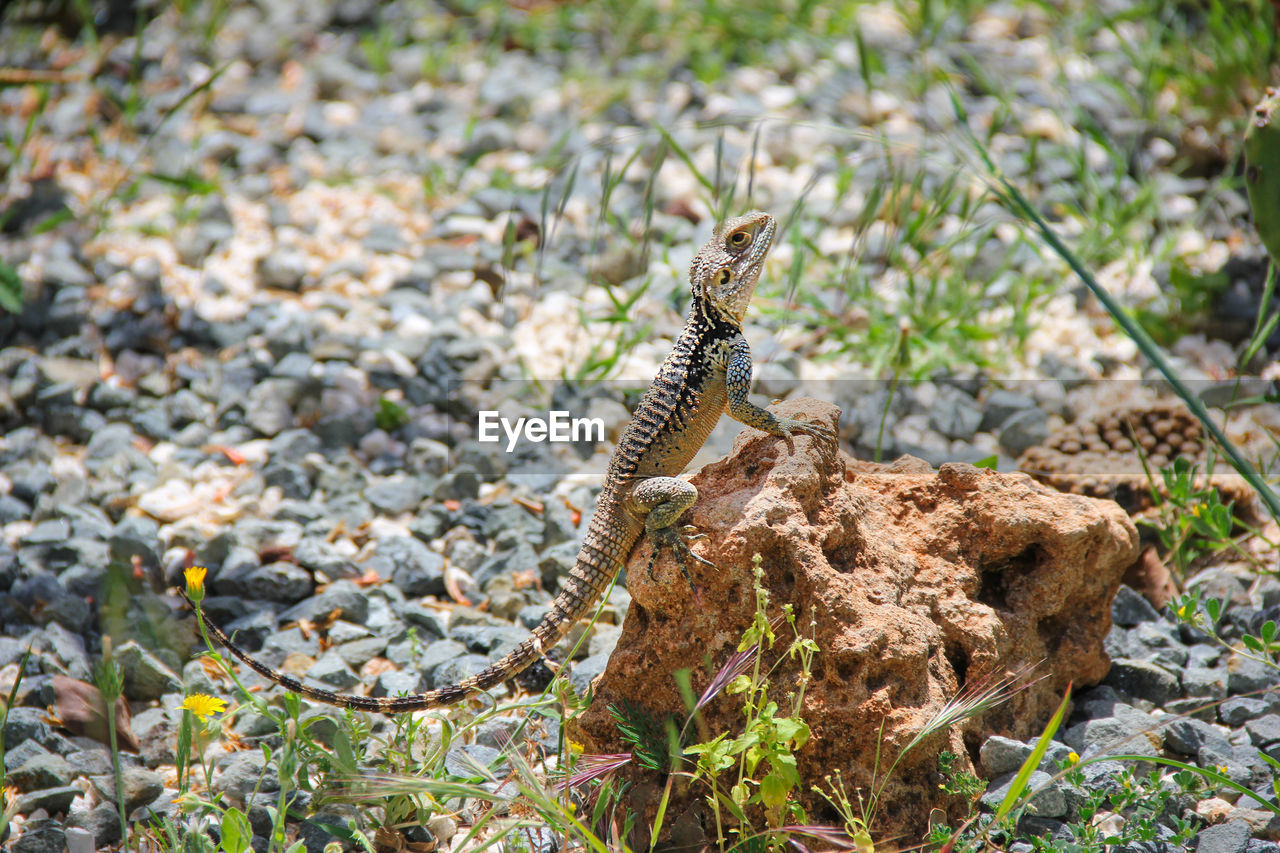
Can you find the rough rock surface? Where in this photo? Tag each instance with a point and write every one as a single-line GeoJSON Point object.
{"type": "Point", "coordinates": [919, 582]}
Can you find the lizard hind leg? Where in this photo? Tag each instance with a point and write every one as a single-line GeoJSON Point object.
{"type": "Point", "coordinates": [665, 499]}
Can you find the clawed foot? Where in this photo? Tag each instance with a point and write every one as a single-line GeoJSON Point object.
{"type": "Point", "coordinates": [820, 431]}
{"type": "Point", "coordinates": [677, 539]}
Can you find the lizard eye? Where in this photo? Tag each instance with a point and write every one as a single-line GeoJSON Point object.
{"type": "Point", "coordinates": [739, 239]}
{"type": "Point", "coordinates": [725, 276]}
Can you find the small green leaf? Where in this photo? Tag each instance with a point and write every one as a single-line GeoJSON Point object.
{"type": "Point", "coordinates": [987, 462]}
{"type": "Point", "coordinates": [52, 221]}
{"type": "Point", "coordinates": [1213, 607]}
{"type": "Point", "coordinates": [390, 415]}
{"type": "Point", "coordinates": [236, 832]}
{"type": "Point", "coordinates": [10, 289]}
{"type": "Point", "coordinates": [773, 790]}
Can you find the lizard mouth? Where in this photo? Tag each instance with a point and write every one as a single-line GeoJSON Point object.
{"type": "Point", "coordinates": [760, 245]}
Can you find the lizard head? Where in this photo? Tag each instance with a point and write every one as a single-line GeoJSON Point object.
{"type": "Point", "coordinates": [726, 270]}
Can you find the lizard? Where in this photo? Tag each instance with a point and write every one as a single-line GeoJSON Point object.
{"type": "Point", "coordinates": [707, 374]}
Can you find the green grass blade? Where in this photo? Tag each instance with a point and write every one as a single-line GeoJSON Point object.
{"type": "Point", "coordinates": [1012, 197]}
{"type": "Point", "coordinates": [1202, 771]}
{"type": "Point", "coordinates": [10, 289]}
{"type": "Point", "coordinates": [1033, 760]}
{"type": "Point", "coordinates": [688, 161]}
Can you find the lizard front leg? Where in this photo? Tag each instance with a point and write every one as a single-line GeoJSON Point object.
{"type": "Point", "coordinates": [738, 385]}
{"type": "Point", "coordinates": [663, 500]}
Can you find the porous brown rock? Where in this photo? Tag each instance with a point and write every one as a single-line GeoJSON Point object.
{"type": "Point", "coordinates": [917, 581]}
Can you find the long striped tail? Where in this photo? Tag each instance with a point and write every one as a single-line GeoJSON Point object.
{"type": "Point", "coordinates": [592, 573]}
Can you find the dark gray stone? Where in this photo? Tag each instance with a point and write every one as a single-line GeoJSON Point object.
{"type": "Point", "coordinates": [1200, 708]}
{"type": "Point", "coordinates": [342, 597]}
{"type": "Point", "coordinates": [396, 495]}
{"type": "Point", "coordinates": [1237, 710]}
{"type": "Point", "coordinates": [1000, 404]}
{"type": "Point", "coordinates": [1219, 583]}
{"type": "Point", "coordinates": [157, 733]}
{"type": "Point", "coordinates": [21, 753]}
{"type": "Point", "coordinates": [333, 672]}
{"type": "Point", "coordinates": [357, 653]}
{"type": "Point", "coordinates": [532, 615]}
{"type": "Point", "coordinates": [1188, 735]}
{"type": "Point", "coordinates": [1143, 680]}
{"type": "Point", "coordinates": [955, 414]}
{"type": "Point", "coordinates": [145, 676]}
{"type": "Point", "coordinates": [13, 509]}
{"type": "Point", "coordinates": [497, 732]}
{"type": "Point", "coordinates": [1126, 732]}
{"type": "Point", "coordinates": [292, 480]}
{"type": "Point", "coordinates": [1204, 682]}
{"type": "Point", "coordinates": [472, 761]}
{"type": "Point", "coordinates": [1129, 608]}
{"type": "Point", "coordinates": [23, 724]}
{"type": "Point", "coordinates": [102, 822]}
{"type": "Point", "coordinates": [52, 800]}
{"type": "Point", "coordinates": [1246, 675]}
{"type": "Point", "coordinates": [44, 835]}
{"type": "Point", "coordinates": [280, 581]}
{"type": "Point", "coordinates": [141, 786]}
{"type": "Point", "coordinates": [494, 641]}
{"type": "Point", "coordinates": [586, 671]}
{"type": "Point", "coordinates": [241, 773]}
{"type": "Point", "coordinates": [459, 484]}
{"type": "Point", "coordinates": [1229, 837]}
{"type": "Point", "coordinates": [41, 772]}
{"type": "Point", "coordinates": [315, 837]}
{"type": "Point", "coordinates": [1048, 803]}
{"type": "Point", "coordinates": [318, 555]}
{"type": "Point", "coordinates": [1022, 430]}
{"type": "Point", "coordinates": [503, 564]}
{"type": "Point", "coordinates": [1264, 730]}
{"type": "Point", "coordinates": [399, 683]}
{"type": "Point", "coordinates": [89, 762]}
{"type": "Point", "coordinates": [1158, 641]}
{"type": "Point", "coordinates": [426, 619]}
{"type": "Point", "coordinates": [418, 570]}
{"type": "Point", "coordinates": [426, 659]}
{"type": "Point", "coordinates": [458, 669]}
{"type": "Point", "coordinates": [293, 445]}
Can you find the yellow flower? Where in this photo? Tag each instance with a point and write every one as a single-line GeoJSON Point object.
{"type": "Point", "coordinates": [1221, 768]}
{"type": "Point", "coordinates": [195, 581]}
{"type": "Point", "coordinates": [203, 705]}
{"type": "Point", "coordinates": [1072, 758]}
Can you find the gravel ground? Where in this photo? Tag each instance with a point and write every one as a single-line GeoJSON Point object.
{"type": "Point", "coordinates": [258, 327]}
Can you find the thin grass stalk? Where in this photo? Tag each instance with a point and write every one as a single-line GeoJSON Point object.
{"type": "Point", "coordinates": [111, 686]}
{"type": "Point", "coordinates": [1012, 197]}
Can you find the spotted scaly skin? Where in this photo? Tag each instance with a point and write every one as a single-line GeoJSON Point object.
{"type": "Point", "coordinates": [707, 373]}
